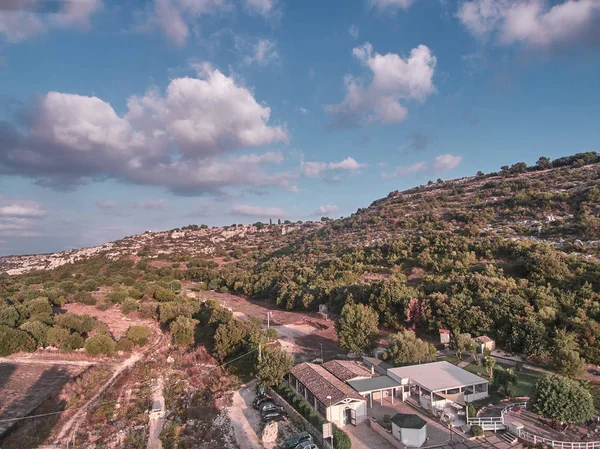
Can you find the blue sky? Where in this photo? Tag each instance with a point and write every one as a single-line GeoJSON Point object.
{"type": "Point", "coordinates": [124, 116]}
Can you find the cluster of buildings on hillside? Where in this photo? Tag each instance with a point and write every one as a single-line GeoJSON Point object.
{"type": "Point", "coordinates": [342, 391]}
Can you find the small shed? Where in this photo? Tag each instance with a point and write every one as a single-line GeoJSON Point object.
{"type": "Point", "coordinates": [484, 342]}
{"type": "Point", "coordinates": [410, 429]}
{"type": "Point", "coordinates": [444, 336]}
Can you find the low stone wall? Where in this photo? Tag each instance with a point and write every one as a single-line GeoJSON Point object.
{"type": "Point", "coordinates": [385, 434]}
{"type": "Point", "coordinates": [297, 417]}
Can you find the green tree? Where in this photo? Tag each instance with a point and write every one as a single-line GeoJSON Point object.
{"type": "Point", "coordinates": [15, 340]}
{"type": "Point", "coordinates": [406, 348]}
{"type": "Point", "coordinates": [504, 379]}
{"type": "Point", "coordinates": [462, 343]}
{"type": "Point", "coordinates": [272, 367]}
{"type": "Point", "coordinates": [138, 334]}
{"type": "Point", "coordinates": [489, 363]}
{"type": "Point", "coordinates": [357, 328]}
{"type": "Point", "coordinates": [543, 163]}
{"type": "Point", "coordinates": [562, 400]}
{"type": "Point", "coordinates": [37, 330]}
{"type": "Point", "coordinates": [55, 336]}
{"type": "Point", "coordinates": [565, 358]}
{"type": "Point", "coordinates": [100, 344]}
{"type": "Point", "coordinates": [182, 331]}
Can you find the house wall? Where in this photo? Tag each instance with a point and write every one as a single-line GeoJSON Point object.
{"type": "Point", "coordinates": [336, 412]}
{"type": "Point", "coordinates": [410, 437]}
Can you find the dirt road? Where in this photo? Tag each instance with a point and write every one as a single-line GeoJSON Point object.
{"type": "Point", "coordinates": [157, 415]}
{"type": "Point", "coordinates": [244, 418]}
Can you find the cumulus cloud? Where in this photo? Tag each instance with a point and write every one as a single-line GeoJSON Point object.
{"type": "Point", "coordinates": [316, 169]}
{"type": "Point", "coordinates": [262, 53]}
{"type": "Point", "coordinates": [151, 204]}
{"type": "Point", "coordinates": [19, 218]}
{"type": "Point", "coordinates": [263, 7]}
{"type": "Point", "coordinates": [23, 19]}
{"type": "Point", "coordinates": [383, 5]}
{"type": "Point", "coordinates": [394, 79]}
{"type": "Point", "coordinates": [441, 163]}
{"type": "Point", "coordinates": [258, 211]}
{"type": "Point", "coordinates": [535, 23]}
{"type": "Point", "coordinates": [176, 140]}
{"type": "Point", "coordinates": [326, 210]}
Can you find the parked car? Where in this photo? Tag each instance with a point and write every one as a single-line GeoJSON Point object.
{"type": "Point", "coordinates": [266, 407]}
{"type": "Point", "coordinates": [275, 416]}
{"type": "Point", "coordinates": [259, 400]}
{"type": "Point", "coordinates": [296, 440]}
{"type": "Point", "coordinates": [307, 445]}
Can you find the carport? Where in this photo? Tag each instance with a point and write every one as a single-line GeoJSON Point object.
{"type": "Point", "coordinates": [372, 385]}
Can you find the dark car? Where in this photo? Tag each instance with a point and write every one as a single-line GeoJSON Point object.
{"type": "Point", "coordinates": [307, 445]}
{"type": "Point", "coordinates": [269, 407]}
{"type": "Point", "coordinates": [259, 400]}
{"type": "Point", "coordinates": [296, 440]}
{"type": "Point", "coordinates": [275, 416]}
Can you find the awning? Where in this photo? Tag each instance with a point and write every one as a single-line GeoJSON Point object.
{"type": "Point", "coordinates": [459, 398]}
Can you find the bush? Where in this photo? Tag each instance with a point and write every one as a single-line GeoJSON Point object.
{"type": "Point", "coordinates": [15, 340]}
{"type": "Point", "coordinates": [149, 310]}
{"type": "Point", "coordinates": [84, 298]}
{"type": "Point", "coordinates": [476, 430]}
{"type": "Point", "coordinates": [72, 342]}
{"type": "Point", "coordinates": [125, 345]}
{"type": "Point", "coordinates": [100, 344]}
{"type": "Point", "coordinates": [138, 335]}
{"type": "Point", "coordinates": [37, 330]}
{"type": "Point", "coordinates": [129, 305]}
{"type": "Point", "coordinates": [40, 305]}
{"type": "Point", "coordinates": [102, 305]}
{"type": "Point", "coordinates": [341, 440]}
{"type": "Point", "coordinates": [55, 336]}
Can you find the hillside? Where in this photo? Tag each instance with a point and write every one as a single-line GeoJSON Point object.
{"type": "Point", "coordinates": [513, 254]}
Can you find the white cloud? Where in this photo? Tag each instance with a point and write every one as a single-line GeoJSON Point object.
{"type": "Point", "coordinates": [441, 163]}
{"type": "Point", "coordinates": [174, 17]}
{"type": "Point", "coordinates": [390, 4]}
{"type": "Point", "coordinates": [173, 140]}
{"type": "Point", "coordinates": [19, 218]}
{"type": "Point", "coordinates": [532, 22]}
{"type": "Point", "coordinates": [262, 7]}
{"type": "Point", "coordinates": [151, 204]}
{"type": "Point", "coordinates": [264, 52]}
{"type": "Point", "coordinates": [258, 211]}
{"type": "Point", "coordinates": [353, 31]}
{"type": "Point", "coordinates": [394, 79]}
{"type": "Point", "coordinates": [303, 110]}
{"type": "Point", "coordinates": [326, 210]}
{"type": "Point", "coordinates": [22, 19]}
{"type": "Point", "coordinates": [316, 169]}
{"type": "Point", "coordinates": [106, 204]}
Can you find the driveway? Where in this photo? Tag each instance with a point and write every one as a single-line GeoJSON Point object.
{"type": "Point", "coordinates": [363, 437]}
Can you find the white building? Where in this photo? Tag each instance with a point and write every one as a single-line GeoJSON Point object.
{"type": "Point", "coordinates": [411, 430]}
{"type": "Point", "coordinates": [334, 400]}
{"type": "Point", "coordinates": [438, 384]}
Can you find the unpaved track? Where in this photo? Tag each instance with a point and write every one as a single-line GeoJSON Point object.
{"type": "Point", "coordinates": [156, 420]}
{"type": "Point", "coordinates": [28, 360]}
{"type": "Point", "coordinates": [241, 413]}
{"type": "Point", "coordinates": [75, 421]}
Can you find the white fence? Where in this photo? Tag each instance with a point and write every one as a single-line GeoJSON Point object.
{"type": "Point", "coordinates": [536, 439]}
{"type": "Point", "coordinates": [494, 422]}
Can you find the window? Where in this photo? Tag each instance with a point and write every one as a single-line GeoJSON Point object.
{"type": "Point", "coordinates": [321, 409]}
{"type": "Point", "coordinates": [301, 389]}
{"type": "Point", "coordinates": [310, 398]}
{"type": "Point", "coordinates": [480, 388]}
{"type": "Point", "coordinates": [453, 391]}
{"type": "Point", "coordinates": [292, 381]}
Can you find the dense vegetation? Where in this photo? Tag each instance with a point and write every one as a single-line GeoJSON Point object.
{"type": "Point", "coordinates": [510, 254]}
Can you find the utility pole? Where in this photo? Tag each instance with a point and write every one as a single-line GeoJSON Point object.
{"type": "Point", "coordinates": [321, 344]}
{"type": "Point", "coordinates": [329, 397]}
{"type": "Point", "coordinates": [268, 319]}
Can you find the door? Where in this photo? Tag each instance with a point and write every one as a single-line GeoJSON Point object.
{"type": "Point", "coordinates": [350, 416]}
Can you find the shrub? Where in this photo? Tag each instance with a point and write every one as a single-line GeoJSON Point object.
{"type": "Point", "coordinates": [476, 430]}
{"type": "Point", "coordinates": [149, 310]}
{"type": "Point", "coordinates": [138, 335]}
{"type": "Point", "coordinates": [15, 340]}
{"type": "Point", "coordinates": [40, 305]}
{"type": "Point", "coordinates": [224, 289]}
{"type": "Point", "coordinates": [125, 345]}
{"type": "Point", "coordinates": [55, 336]}
{"type": "Point", "coordinates": [84, 298]}
{"type": "Point", "coordinates": [72, 342]}
{"type": "Point", "coordinates": [37, 330]}
{"type": "Point", "coordinates": [102, 305]}
{"type": "Point", "coordinates": [100, 344]}
{"type": "Point", "coordinates": [129, 305]}
{"type": "Point", "coordinates": [341, 440]}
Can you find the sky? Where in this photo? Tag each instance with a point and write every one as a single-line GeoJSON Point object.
{"type": "Point", "coordinates": [122, 116]}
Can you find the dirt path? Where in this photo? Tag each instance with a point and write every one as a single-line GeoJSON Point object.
{"type": "Point", "coordinates": [71, 426]}
{"type": "Point", "coordinates": [157, 415]}
{"type": "Point", "coordinates": [29, 360]}
{"type": "Point", "coordinates": [243, 418]}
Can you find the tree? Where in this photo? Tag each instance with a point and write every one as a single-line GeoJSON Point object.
{"type": "Point", "coordinates": [100, 344]}
{"type": "Point", "coordinates": [357, 328]}
{"type": "Point", "coordinates": [462, 343]}
{"type": "Point", "coordinates": [272, 367]}
{"type": "Point", "coordinates": [14, 340]}
{"type": "Point", "coordinates": [543, 163]}
{"type": "Point", "coordinates": [565, 359]}
{"type": "Point", "coordinates": [406, 348]}
{"type": "Point", "coordinates": [489, 363]}
{"type": "Point", "coordinates": [182, 331]}
{"type": "Point", "coordinates": [562, 400]}
{"type": "Point", "coordinates": [138, 334]}
{"type": "Point", "coordinates": [480, 174]}
{"type": "Point", "coordinates": [504, 379]}
{"type": "Point", "coordinates": [279, 221]}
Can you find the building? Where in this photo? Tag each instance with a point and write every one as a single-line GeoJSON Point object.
{"type": "Point", "coordinates": [484, 342]}
{"type": "Point", "coordinates": [330, 397]}
{"type": "Point", "coordinates": [346, 370]}
{"type": "Point", "coordinates": [376, 365]}
{"type": "Point", "coordinates": [411, 430]}
{"type": "Point", "coordinates": [444, 336]}
{"type": "Point", "coordinates": [441, 386]}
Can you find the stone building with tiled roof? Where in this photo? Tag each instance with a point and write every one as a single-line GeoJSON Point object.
{"type": "Point", "coordinates": [346, 370]}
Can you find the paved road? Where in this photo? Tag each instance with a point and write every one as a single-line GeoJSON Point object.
{"type": "Point", "coordinates": [363, 437]}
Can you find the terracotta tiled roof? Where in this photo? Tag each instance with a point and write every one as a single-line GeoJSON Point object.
{"type": "Point", "coordinates": [345, 370]}
{"type": "Point", "coordinates": [321, 383]}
